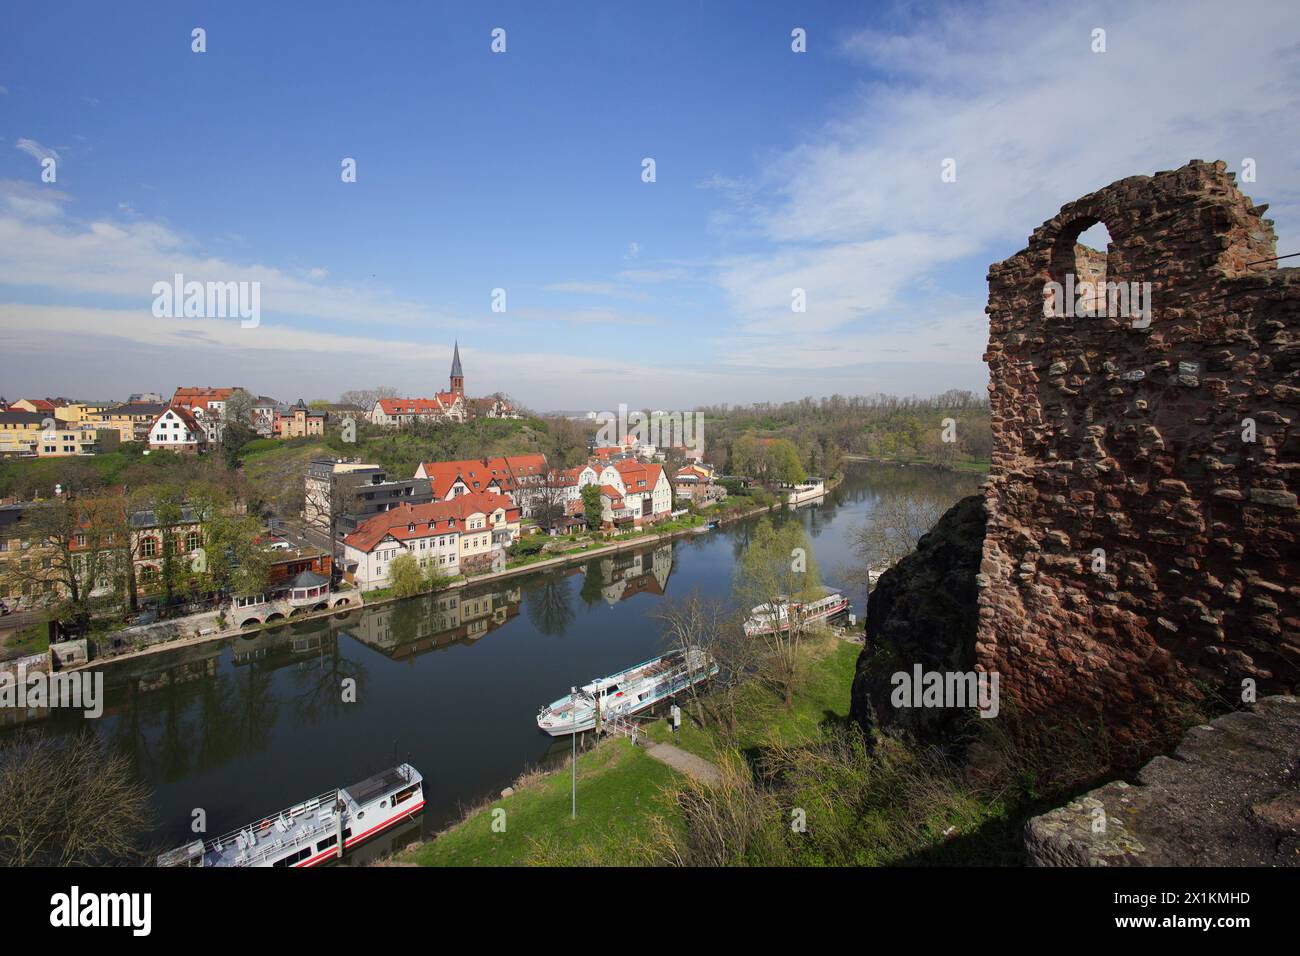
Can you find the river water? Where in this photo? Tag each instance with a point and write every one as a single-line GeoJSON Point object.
{"type": "Point", "coordinates": [451, 683]}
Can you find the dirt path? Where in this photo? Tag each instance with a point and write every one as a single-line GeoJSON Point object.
{"type": "Point", "coordinates": [686, 763]}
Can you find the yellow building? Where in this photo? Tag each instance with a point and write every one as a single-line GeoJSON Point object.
{"type": "Point", "coordinates": [133, 420]}
{"type": "Point", "coordinates": [300, 421]}
{"type": "Point", "coordinates": [75, 413]}
{"type": "Point", "coordinates": [20, 432]}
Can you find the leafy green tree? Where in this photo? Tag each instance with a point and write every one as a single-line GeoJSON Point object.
{"type": "Point", "coordinates": [591, 506]}
{"type": "Point", "coordinates": [775, 575]}
{"type": "Point", "coordinates": [405, 576]}
{"type": "Point", "coordinates": [783, 462]}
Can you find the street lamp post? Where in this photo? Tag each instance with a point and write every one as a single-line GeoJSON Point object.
{"type": "Point", "coordinates": [573, 709]}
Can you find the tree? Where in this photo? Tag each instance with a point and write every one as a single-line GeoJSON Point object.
{"type": "Point", "coordinates": [700, 624]}
{"type": "Point", "coordinates": [549, 503]}
{"type": "Point", "coordinates": [326, 501]}
{"type": "Point", "coordinates": [891, 531]}
{"type": "Point", "coordinates": [565, 443]}
{"type": "Point", "coordinates": [366, 397]}
{"type": "Point", "coordinates": [591, 506]}
{"type": "Point", "coordinates": [783, 462]}
{"type": "Point", "coordinates": [238, 409]}
{"type": "Point", "coordinates": [774, 575]}
{"type": "Point", "coordinates": [404, 576]}
{"type": "Point", "coordinates": [70, 555]}
{"type": "Point", "coordinates": [233, 559]}
{"type": "Point", "coordinates": [68, 801]}
{"type": "Point", "coordinates": [234, 436]}
{"type": "Point", "coordinates": [747, 459]}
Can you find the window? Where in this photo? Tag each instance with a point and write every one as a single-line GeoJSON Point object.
{"type": "Point", "coordinates": [192, 541]}
{"type": "Point", "coordinates": [149, 547]}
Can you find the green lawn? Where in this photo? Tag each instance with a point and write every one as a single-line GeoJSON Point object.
{"type": "Point", "coordinates": [822, 694]}
{"type": "Point", "coordinates": [619, 788]}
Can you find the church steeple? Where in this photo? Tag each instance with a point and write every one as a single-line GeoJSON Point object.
{"type": "Point", "coordinates": [457, 376]}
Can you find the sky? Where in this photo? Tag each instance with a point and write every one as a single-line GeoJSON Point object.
{"type": "Point", "coordinates": [523, 171]}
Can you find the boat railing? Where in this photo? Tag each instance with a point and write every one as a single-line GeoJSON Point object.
{"type": "Point", "coordinates": [261, 827]}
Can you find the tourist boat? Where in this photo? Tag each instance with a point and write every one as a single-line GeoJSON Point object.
{"type": "Point", "coordinates": [814, 489]}
{"type": "Point", "coordinates": [766, 620]}
{"type": "Point", "coordinates": [627, 692]}
{"type": "Point", "coordinates": [315, 831]}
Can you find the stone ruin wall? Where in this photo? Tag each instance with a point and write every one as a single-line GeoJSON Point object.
{"type": "Point", "coordinates": [1131, 440]}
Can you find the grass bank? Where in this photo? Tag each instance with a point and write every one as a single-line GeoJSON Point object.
{"type": "Point", "coordinates": [619, 788]}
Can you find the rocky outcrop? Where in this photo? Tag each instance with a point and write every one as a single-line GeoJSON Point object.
{"type": "Point", "coordinates": [923, 611]}
{"type": "Point", "coordinates": [1229, 796]}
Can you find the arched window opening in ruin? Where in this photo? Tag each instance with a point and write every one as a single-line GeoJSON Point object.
{"type": "Point", "coordinates": [1083, 263]}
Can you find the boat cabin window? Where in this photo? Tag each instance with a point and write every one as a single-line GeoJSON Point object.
{"type": "Point", "coordinates": [612, 688]}
{"type": "Point", "coordinates": [327, 843]}
{"type": "Point", "coordinates": [293, 858]}
{"type": "Point", "coordinates": [403, 795]}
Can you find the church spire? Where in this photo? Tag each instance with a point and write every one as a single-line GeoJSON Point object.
{"type": "Point", "coordinates": [457, 376]}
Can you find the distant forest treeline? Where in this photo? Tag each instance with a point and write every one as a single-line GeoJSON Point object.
{"type": "Point", "coordinates": [879, 426]}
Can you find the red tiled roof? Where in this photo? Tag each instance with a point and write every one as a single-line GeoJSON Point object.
{"type": "Point", "coordinates": [635, 471]}
{"type": "Point", "coordinates": [439, 404]}
{"type": "Point", "coordinates": [200, 396]}
{"type": "Point", "coordinates": [395, 523]}
{"type": "Point", "coordinates": [477, 473]}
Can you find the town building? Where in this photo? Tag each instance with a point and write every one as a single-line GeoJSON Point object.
{"type": "Point", "coordinates": [445, 537]}
{"type": "Point", "coordinates": [519, 476]}
{"type": "Point", "coordinates": [299, 421]}
{"type": "Point", "coordinates": [264, 414]}
{"type": "Point", "coordinates": [208, 407]}
{"type": "Point", "coordinates": [645, 493]}
{"type": "Point", "coordinates": [178, 430]}
{"type": "Point", "coordinates": [132, 420]}
{"type": "Point", "coordinates": [695, 483]}
{"type": "Point", "coordinates": [339, 494]}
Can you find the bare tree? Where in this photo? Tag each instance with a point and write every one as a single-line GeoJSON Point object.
{"type": "Point", "coordinates": [71, 555]}
{"type": "Point", "coordinates": [548, 502]}
{"type": "Point", "coordinates": [68, 802]}
{"type": "Point", "coordinates": [897, 521]}
{"type": "Point", "coordinates": [694, 623]}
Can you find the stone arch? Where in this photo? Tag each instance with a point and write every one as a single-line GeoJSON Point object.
{"type": "Point", "coordinates": [1072, 264]}
{"type": "Point", "coordinates": [251, 622]}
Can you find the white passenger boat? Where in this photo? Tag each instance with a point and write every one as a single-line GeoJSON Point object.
{"type": "Point", "coordinates": [315, 831]}
{"type": "Point", "coordinates": [627, 692]}
{"type": "Point", "coordinates": [769, 618]}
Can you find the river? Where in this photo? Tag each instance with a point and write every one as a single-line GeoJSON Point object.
{"type": "Point", "coordinates": [451, 683]}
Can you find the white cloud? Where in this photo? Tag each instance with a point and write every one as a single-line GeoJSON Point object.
{"type": "Point", "coordinates": [43, 246]}
{"type": "Point", "coordinates": [859, 217]}
{"type": "Point", "coordinates": [35, 149]}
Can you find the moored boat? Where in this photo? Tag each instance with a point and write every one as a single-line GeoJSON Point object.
{"type": "Point", "coordinates": [627, 692]}
{"type": "Point", "coordinates": [769, 618]}
{"type": "Point", "coordinates": [315, 831]}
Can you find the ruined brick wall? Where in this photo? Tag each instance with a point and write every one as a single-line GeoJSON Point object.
{"type": "Point", "coordinates": [1130, 440]}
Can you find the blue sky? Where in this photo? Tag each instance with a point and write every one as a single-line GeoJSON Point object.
{"type": "Point", "coordinates": [522, 171]}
